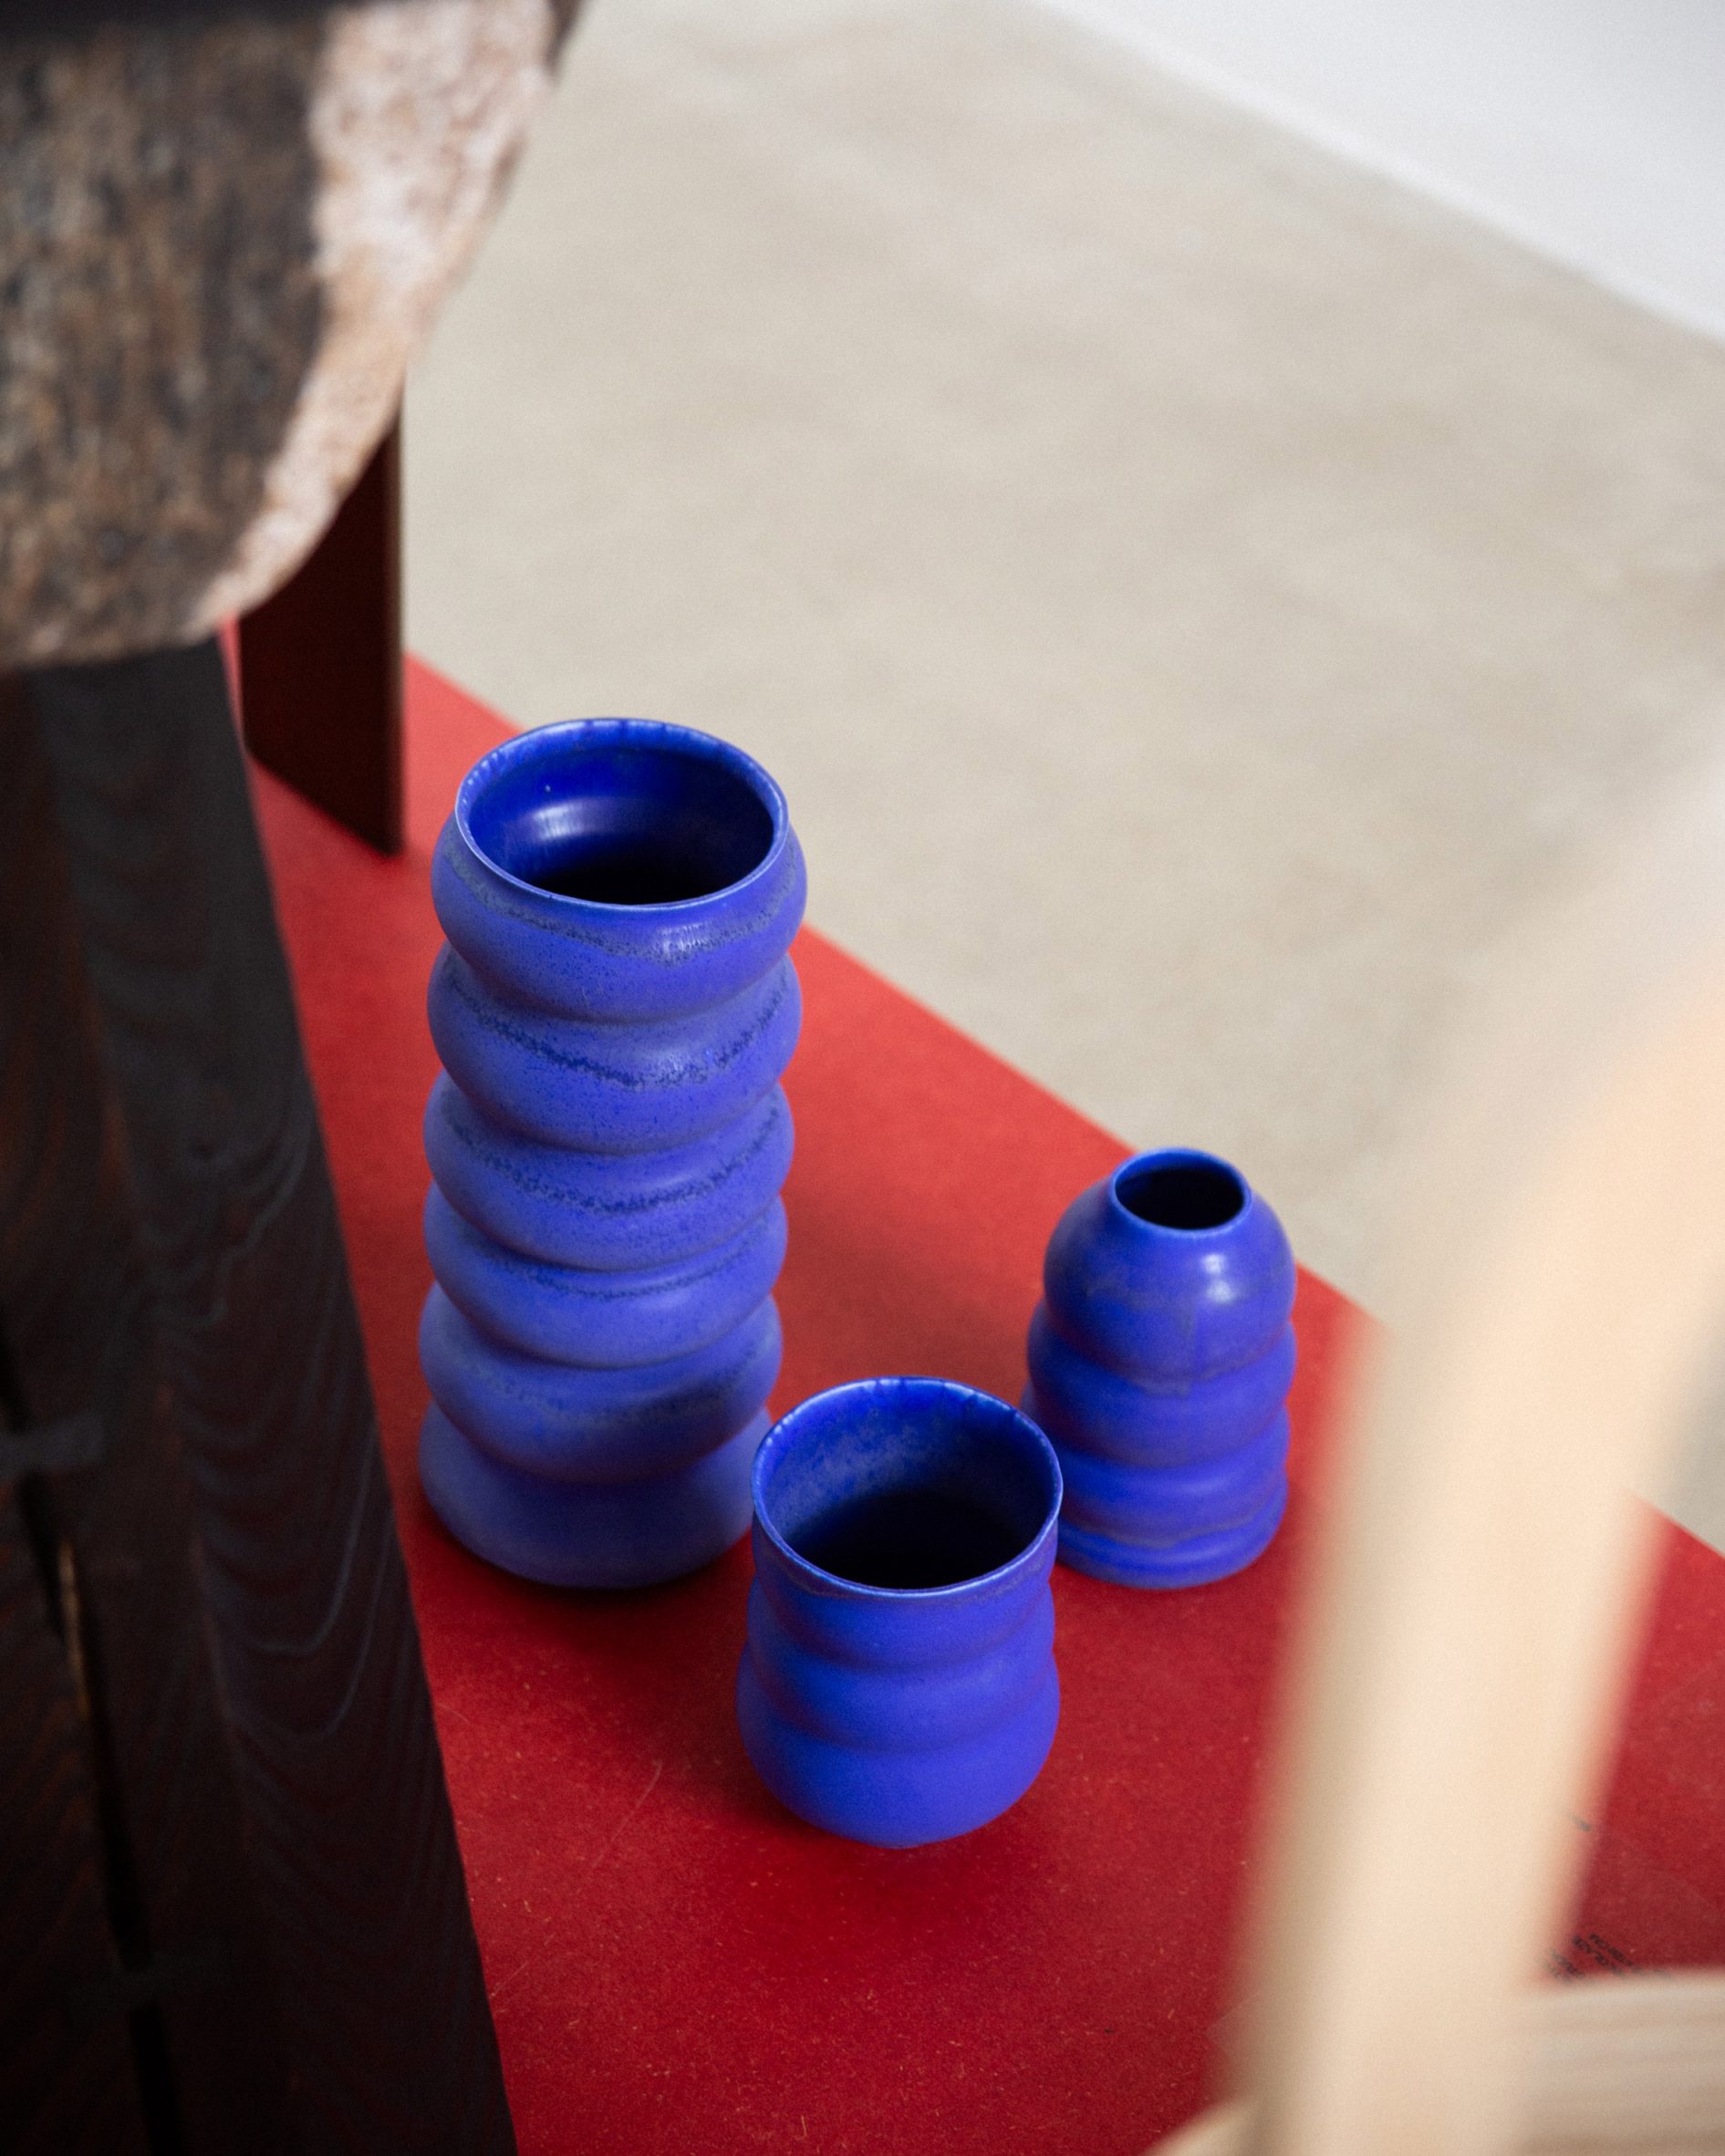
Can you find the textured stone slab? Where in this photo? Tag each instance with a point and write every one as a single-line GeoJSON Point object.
{"type": "Point", "coordinates": [227, 235]}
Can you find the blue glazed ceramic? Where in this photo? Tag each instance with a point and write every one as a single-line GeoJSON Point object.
{"type": "Point", "coordinates": [612, 1010]}
{"type": "Point", "coordinates": [1161, 1357]}
{"type": "Point", "coordinates": [899, 1682]}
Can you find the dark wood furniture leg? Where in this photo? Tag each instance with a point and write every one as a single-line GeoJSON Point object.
{"type": "Point", "coordinates": [320, 662]}
{"type": "Point", "coordinates": [68, 2080]}
{"type": "Point", "coordinates": [232, 1910]}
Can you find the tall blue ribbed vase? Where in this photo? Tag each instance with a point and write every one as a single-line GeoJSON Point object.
{"type": "Point", "coordinates": [1161, 1357]}
{"type": "Point", "coordinates": [613, 1009]}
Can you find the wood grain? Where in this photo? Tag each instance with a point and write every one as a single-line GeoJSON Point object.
{"type": "Point", "coordinates": [1631, 2065]}
{"type": "Point", "coordinates": [290, 1899]}
{"type": "Point", "coordinates": [65, 2082]}
{"type": "Point", "coordinates": [75, 1294]}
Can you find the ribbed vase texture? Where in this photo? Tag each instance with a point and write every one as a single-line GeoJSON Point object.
{"type": "Point", "coordinates": [898, 1682]}
{"type": "Point", "coordinates": [1160, 1358]}
{"type": "Point", "coordinates": [613, 1009]}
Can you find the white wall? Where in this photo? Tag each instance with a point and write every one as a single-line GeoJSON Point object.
{"type": "Point", "coordinates": [1593, 131]}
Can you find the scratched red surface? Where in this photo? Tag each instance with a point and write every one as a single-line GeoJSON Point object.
{"type": "Point", "coordinates": [676, 1964]}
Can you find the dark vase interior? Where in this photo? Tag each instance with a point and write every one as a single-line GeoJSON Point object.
{"type": "Point", "coordinates": [618, 823]}
{"type": "Point", "coordinates": [908, 1538]}
{"type": "Point", "coordinates": [908, 1483]}
{"type": "Point", "coordinates": [1190, 1194]}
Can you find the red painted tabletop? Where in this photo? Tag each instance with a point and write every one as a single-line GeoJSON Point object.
{"type": "Point", "coordinates": [675, 1963]}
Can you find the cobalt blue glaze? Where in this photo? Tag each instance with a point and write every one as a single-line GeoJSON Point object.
{"type": "Point", "coordinates": [605, 1210]}
{"type": "Point", "coordinates": [657, 808]}
{"type": "Point", "coordinates": [609, 1087]}
{"type": "Point", "coordinates": [591, 1534]}
{"type": "Point", "coordinates": [898, 1682]}
{"type": "Point", "coordinates": [1161, 1357]}
{"type": "Point", "coordinates": [613, 1009]}
{"type": "Point", "coordinates": [586, 1425]}
{"type": "Point", "coordinates": [574, 1313]}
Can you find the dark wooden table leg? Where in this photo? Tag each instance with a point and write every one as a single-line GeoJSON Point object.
{"type": "Point", "coordinates": [292, 1961]}
{"type": "Point", "coordinates": [320, 662]}
{"type": "Point", "coordinates": [68, 2082]}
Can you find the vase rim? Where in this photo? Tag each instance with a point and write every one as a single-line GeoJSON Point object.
{"type": "Point", "coordinates": [1230, 1190]}
{"type": "Point", "coordinates": [1002, 1413]}
{"type": "Point", "coordinates": [662, 735]}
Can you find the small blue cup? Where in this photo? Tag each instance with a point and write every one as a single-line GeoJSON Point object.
{"type": "Point", "coordinates": [898, 1682]}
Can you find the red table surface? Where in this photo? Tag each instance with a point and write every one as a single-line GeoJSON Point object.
{"type": "Point", "coordinates": [675, 1963]}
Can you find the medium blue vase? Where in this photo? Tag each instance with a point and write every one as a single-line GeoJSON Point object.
{"type": "Point", "coordinates": [899, 1682]}
{"type": "Point", "coordinates": [1161, 1357]}
{"type": "Point", "coordinates": [612, 1008]}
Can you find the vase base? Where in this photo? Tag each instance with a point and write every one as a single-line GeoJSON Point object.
{"type": "Point", "coordinates": [1196, 1561]}
{"type": "Point", "coordinates": [588, 1534]}
{"type": "Point", "coordinates": [895, 1800]}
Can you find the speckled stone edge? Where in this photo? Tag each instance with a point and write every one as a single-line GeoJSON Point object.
{"type": "Point", "coordinates": [228, 239]}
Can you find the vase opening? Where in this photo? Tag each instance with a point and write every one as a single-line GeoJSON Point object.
{"type": "Point", "coordinates": [908, 1538]}
{"type": "Point", "coordinates": [1181, 1190]}
{"type": "Point", "coordinates": [906, 1485]}
{"type": "Point", "coordinates": [615, 821]}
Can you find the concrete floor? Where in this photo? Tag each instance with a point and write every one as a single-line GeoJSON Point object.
{"type": "Point", "coordinates": [1195, 596]}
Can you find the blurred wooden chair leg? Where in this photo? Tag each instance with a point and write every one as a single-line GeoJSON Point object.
{"type": "Point", "coordinates": [1563, 1286]}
